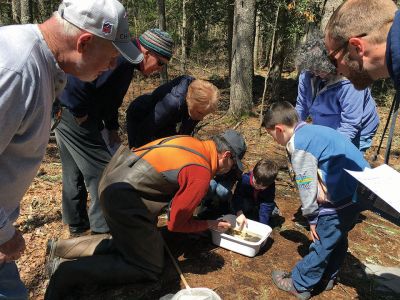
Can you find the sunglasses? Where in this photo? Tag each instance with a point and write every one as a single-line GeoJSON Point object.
{"type": "Point", "coordinates": [160, 63]}
{"type": "Point", "coordinates": [331, 56]}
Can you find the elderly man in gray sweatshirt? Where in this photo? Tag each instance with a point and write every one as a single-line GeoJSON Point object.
{"type": "Point", "coordinates": [83, 38]}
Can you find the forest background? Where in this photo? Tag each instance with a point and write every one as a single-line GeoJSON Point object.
{"type": "Point", "coordinates": [232, 41]}
{"type": "Point", "coordinates": [246, 48]}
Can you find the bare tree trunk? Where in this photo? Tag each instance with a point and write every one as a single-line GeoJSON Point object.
{"type": "Point", "coordinates": [183, 37]}
{"type": "Point", "coordinates": [5, 13]}
{"type": "Point", "coordinates": [35, 16]}
{"type": "Point", "coordinates": [267, 50]}
{"type": "Point", "coordinates": [328, 8]}
{"type": "Point", "coordinates": [271, 55]}
{"type": "Point", "coordinates": [257, 43]}
{"type": "Point", "coordinates": [231, 9]}
{"type": "Point", "coordinates": [189, 29]}
{"type": "Point", "coordinates": [26, 12]}
{"type": "Point", "coordinates": [162, 24]}
{"type": "Point", "coordinates": [241, 92]}
{"type": "Point", "coordinates": [132, 14]}
{"type": "Point", "coordinates": [16, 11]}
{"type": "Point", "coordinates": [44, 8]}
{"type": "Point", "coordinates": [282, 43]}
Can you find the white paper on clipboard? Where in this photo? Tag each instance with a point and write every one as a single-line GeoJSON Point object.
{"type": "Point", "coordinates": [383, 181]}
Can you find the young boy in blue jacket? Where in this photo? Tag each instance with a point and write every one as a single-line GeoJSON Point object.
{"type": "Point", "coordinates": [254, 195]}
{"type": "Point", "coordinates": [319, 156]}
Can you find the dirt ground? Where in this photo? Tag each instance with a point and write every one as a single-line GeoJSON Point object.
{"type": "Point", "coordinates": [231, 275]}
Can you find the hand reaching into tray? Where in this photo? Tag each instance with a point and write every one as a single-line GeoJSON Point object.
{"type": "Point", "coordinates": [219, 225]}
{"type": "Point", "coordinates": [241, 220]}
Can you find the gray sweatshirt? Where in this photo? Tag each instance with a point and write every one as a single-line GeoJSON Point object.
{"type": "Point", "coordinates": [29, 80]}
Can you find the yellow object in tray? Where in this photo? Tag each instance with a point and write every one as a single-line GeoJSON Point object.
{"type": "Point", "coordinates": [244, 234]}
{"type": "Point", "coordinates": [247, 241]}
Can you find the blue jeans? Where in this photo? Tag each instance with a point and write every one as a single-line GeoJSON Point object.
{"type": "Point", "coordinates": [217, 200]}
{"type": "Point", "coordinates": [265, 212]}
{"type": "Point", "coordinates": [261, 212]}
{"type": "Point", "coordinates": [11, 286]}
{"type": "Point", "coordinates": [326, 255]}
{"type": "Point", "coordinates": [220, 189]}
{"type": "Point", "coordinates": [363, 143]}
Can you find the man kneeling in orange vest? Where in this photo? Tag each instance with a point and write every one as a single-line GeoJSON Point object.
{"type": "Point", "coordinates": [135, 186]}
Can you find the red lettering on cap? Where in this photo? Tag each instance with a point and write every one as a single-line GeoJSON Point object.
{"type": "Point", "coordinates": [107, 28]}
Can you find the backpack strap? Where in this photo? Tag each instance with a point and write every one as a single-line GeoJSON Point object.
{"type": "Point", "coordinates": [160, 145]}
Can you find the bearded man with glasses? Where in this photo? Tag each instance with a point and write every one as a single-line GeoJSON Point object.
{"type": "Point", "coordinates": [362, 41]}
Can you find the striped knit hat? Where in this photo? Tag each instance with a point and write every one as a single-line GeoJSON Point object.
{"type": "Point", "coordinates": [157, 41]}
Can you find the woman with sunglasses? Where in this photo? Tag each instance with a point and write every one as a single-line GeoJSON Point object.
{"type": "Point", "coordinates": [330, 99]}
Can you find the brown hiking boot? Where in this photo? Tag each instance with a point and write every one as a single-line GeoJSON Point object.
{"type": "Point", "coordinates": [283, 280]}
{"type": "Point", "coordinates": [75, 247]}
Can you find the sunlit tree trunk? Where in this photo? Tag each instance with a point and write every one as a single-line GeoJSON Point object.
{"type": "Point", "coordinates": [257, 43]}
{"type": "Point", "coordinates": [16, 11]}
{"type": "Point", "coordinates": [26, 12]}
{"type": "Point", "coordinates": [328, 8]}
{"type": "Point", "coordinates": [241, 92]}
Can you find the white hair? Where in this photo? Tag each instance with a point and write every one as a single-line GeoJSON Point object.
{"type": "Point", "coordinates": [69, 29]}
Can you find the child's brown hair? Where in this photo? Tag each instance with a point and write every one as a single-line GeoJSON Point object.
{"type": "Point", "coordinates": [265, 172]}
{"type": "Point", "coordinates": [280, 113]}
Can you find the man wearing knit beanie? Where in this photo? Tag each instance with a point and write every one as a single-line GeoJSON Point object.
{"type": "Point", "coordinates": [155, 44]}
{"type": "Point", "coordinates": [87, 132]}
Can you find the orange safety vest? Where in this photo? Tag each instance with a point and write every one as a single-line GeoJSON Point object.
{"type": "Point", "coordinates": [153, 169]}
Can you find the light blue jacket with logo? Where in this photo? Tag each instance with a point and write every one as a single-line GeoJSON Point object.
{"type": "Point", "coordinates": [321, 154]}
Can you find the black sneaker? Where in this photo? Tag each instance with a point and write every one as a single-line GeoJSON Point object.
{"type": "Point", "coordinates": [76, 229]}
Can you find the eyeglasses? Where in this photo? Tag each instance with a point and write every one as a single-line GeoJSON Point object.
{"type": "Point", "coordinates": [331, 56]}
{"type": "Point", "coordinates": [160, 63]}
{"type": "Point", "coordinates": [232, 158]}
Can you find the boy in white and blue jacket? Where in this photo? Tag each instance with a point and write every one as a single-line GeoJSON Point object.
{"type": "Point", "coordinates": [319, 156]}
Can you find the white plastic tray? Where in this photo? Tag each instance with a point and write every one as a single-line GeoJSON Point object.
{"type": "Point", "coordinates": [238, 245]}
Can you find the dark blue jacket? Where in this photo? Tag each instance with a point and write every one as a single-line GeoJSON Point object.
{"type": "Point", "coordinates": [244, 189]}
{"type": "Point", "coordinates": [393, 51]}
{"type": "Point", "coordinates": [162, 113]}
{"type": "Point", "coordinates": [101, 98]}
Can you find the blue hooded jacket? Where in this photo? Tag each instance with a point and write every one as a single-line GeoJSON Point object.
{"type": "Point", "coordinates": [393, 51]}
{"type": "Point", "coordinates": [244, 189]}
{"type": "Point", "coordinates": [335, 103]}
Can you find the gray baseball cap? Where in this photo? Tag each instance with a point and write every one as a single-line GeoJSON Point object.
{"type": "Point", "coordinates": [236, 142]}
{"type": "Point", "coordinates": [104, 18]}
